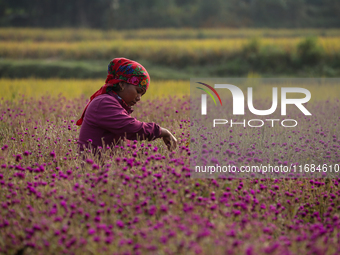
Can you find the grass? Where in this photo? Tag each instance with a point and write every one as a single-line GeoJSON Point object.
{"type": "Point", "coordinates": [166, 50]}
{"type": "Point", "coordinates": [38, 34]}
{"type": "Point", "coordinates": [13, 89]}
{"type": "Point", "coordinates": [52, 68]}
{"type": "Point", "coordinates": [96, 69]}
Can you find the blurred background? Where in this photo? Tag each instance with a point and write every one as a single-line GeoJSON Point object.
{"type": "Point", "coordinates": [174, 39]}
{"type": "Point", "coordinates": [133, 14]}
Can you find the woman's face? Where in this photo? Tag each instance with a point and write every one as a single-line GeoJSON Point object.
{"type": "Point", "coordinates": [131, 94]}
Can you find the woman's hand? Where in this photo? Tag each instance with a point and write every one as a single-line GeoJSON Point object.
{"type": "Point", "coordinates": [169, 140]}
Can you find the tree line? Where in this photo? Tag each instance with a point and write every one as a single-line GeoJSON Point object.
{"type": "Point", "coordinates": [134, 14]}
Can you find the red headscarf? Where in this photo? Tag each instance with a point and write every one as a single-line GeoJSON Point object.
{"type": "Point", "coordinates": [121, 69]}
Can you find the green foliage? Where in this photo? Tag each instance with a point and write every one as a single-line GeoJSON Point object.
{"type": "Point", "coordinates": [309, 52]}
{"type": "Point", "coordinates": [46, 69]}
{"type": "Point", "coordinates": [252, 48]}
{"type": "Point", "coordinates": [132, 14]}
{"type": "Point", "coordinates": [269, 63]}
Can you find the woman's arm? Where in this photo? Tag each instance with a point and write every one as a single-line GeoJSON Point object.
{"type": "Point", "coordinates": [109, 114]}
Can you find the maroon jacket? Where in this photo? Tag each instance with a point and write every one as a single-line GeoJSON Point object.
{"type": "Point", "coordinates": [108, 117]}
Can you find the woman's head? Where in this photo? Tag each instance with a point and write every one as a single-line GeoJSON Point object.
{"type": "Point", "coordinates": [126, 70]}
{"type": "Point", "coordinates": [127, 78]}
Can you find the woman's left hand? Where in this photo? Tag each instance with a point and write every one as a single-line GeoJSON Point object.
{"type": "Point", "coordinates": [169, 140]}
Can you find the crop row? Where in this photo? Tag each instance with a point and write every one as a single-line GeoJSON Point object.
{"type": "Point", "coordinates": [36, 34]}
{"type": "Point", "coordinates": [180, 52]}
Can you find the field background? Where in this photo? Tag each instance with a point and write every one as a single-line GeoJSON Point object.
{"type": "Point", "coordinates": [170, 53]}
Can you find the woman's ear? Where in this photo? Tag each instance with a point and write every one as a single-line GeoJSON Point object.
{"type": "Point", "coordinates": [121, 85]}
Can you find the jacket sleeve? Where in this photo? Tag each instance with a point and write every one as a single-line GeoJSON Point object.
{"type": "Point", "coordinates": [110, 115]}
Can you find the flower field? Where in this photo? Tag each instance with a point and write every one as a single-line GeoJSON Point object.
{"type": "Point", "coordinates": [139, 198]}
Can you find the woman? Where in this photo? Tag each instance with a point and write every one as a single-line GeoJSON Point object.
{"type": "Point", "coordinates": [106, 118]}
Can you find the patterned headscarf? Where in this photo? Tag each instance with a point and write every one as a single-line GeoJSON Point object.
{"type": "Point", "coordinates": [121, 69]}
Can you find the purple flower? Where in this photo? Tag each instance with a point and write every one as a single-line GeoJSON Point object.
{"type": "Point", "coordinates": [18, 157]}
{"type": "Point", "coordinates": [120, 224]}
{"type": "Point", "coordinates": [89, 161]}
{"type": "Point", "coordinates": [152, 210]}
{"type": "Point", "coordinates": [26, 153]}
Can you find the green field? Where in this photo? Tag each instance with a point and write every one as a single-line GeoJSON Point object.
{"type": "Point", "coordinates": [171, 54]}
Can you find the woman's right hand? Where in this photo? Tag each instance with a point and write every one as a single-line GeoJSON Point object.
{"type": "Point", "coordinates": [168, 138]}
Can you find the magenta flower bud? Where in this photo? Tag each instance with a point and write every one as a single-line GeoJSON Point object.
{"type": "Point", "coordinates": [18, 157]}
{"type": "Point", "coordinates": [120, 224]}
{"type": "Point", "coordinates": [89, 161]}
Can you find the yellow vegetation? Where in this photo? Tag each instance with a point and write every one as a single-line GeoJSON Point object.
{"type": "Point", "coordinates": [39, 34]}
{"type": "Point", "coordinates": [158, 50]}
{"type": "Point", "coordinates": [71, 88]}
{"type": "Point", "coordinates": [13, 89]}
